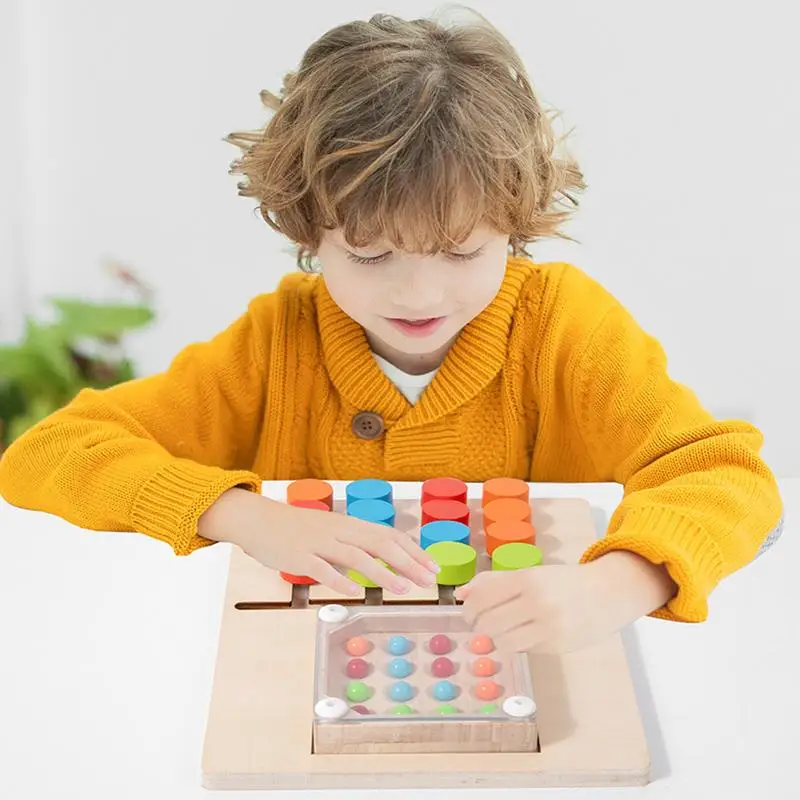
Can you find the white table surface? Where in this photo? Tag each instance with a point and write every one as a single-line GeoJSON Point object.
{"type": "Point", "coordinates": [109, 643]}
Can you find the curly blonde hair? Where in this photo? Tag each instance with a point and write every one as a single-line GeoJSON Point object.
{"type": "Point", "coordinates": [411, 130]}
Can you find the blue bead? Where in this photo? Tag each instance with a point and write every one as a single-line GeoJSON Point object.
{"type": "Point", "coordinates": [401, 692]}
{"type": "Point", "coordinates": [444, 690]}
{"type": "Point", "coordinates": [369, 489]}
{"type": "Point", "coordinates": [399, 668]}
{"type": "Point", "coordinates": [443, 531]}
{"type": "Point", "coordinates": [399, 645]}
{"type": "Point", "coordinates": [377, 511]}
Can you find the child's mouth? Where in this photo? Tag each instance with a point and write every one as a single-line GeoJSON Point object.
{"type": "Point", "coordinates": [417, 327]}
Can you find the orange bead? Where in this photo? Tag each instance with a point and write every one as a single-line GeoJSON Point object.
{"type": "Point", "coordinates": [487, 690]}
{"type": "Point", "coordinates": [298, 580]}
{"type": "Point", "coordinates": [506, 509]}
{"type": "Point", "coordinates": [484, 667]}
{"type": "Point", "coordinates": [505, 488]}
{"type": "Point", "coordinates": [310, 489]}
{"type": "Point", "coordinates": [505, 531]}
{"type": "Point", "coordinates": [481, 645]}
{"type": "Point", "coordinates": [357, 646]}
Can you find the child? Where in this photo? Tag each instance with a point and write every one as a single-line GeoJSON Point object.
{"type": "Point", "coordinates": [411, 163]}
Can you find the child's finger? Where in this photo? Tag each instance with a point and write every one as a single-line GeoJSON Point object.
{"type": "Point", "coordinates": [528, 636]}
{"type": "Point", "coordinates": [503, 618]}
{"type": "Point", "coordinates": [486, 591]}
{"type": "Point", "coordinates": [397, 552]}
{"type": "Point", "coordinates": [352, 557]}
{"type": "Point", "coordinates": [326, 574]}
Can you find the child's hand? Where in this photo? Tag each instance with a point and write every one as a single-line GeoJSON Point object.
{"type": "Point", "coordinates": [304, 541]}
{"type": "Point", "coordinates": [558, 609]}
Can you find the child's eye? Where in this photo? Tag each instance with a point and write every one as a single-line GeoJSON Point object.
{"type": "Point", "coordinates": [366, 259]}
{"type": "Point", "coordinates": [466, 256]}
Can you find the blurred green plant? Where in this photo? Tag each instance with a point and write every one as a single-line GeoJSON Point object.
{"type": "Point", "coordinates": [53, 362]}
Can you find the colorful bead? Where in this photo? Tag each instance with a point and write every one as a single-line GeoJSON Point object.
{"type": "Point", "coordinates": [442, 667]}
{"type": "Point", "coordinates": [357, 646]}
{"type": "Point", "coordinates": [399, 668]}
{"type": "Point", "coordinates": [447, 709]}
{"type": "Point", "coordinates": [357, 668]}
{"type": "Point", "coordinates": [444, 690]}
{"type": "Point", "coordinates": [357, 691]}
{"type": "Point", "coordinates": [487, 690]}
{"type": "Point", "coordinates": [399, 645]}
{"type": "Point", "coordinates": [401, 691]}
{"type": "Point", "coordinates": [488, 708]}
{"type": "Point", "coordinates": [484, 667]}
{"type": "Point", "coordinates": [402, 710]}
{"type": "Point", "coordinates": [481, 645]}
{"type": "Point", "coordinates": [440, 644]}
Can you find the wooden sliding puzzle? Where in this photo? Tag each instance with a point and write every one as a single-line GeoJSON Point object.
{"type": "Point", "coordinates": [313, 689]}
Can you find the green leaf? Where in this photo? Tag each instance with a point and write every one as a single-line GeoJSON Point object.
{"type": "Point", "coordinates": [93, 320]}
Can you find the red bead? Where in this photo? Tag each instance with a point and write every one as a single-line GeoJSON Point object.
{"type": "Point", "coordinates": [298, 580]}
{"type": "Point", "coordinates": [435, 510]}
{"type": "Point", "coordinates": [440, 644]}
{"type": "Point", "coordinates": [444, 489]}
{"type": "Point", "coordinates": [360, 709]}
{"type": "Point", "coordinates": [357, 668]}
{"type": "Point", "coordinates": [442, 667]}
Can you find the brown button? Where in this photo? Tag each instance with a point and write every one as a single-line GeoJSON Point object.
{"type": "Point", "coordinates": [367, 425]}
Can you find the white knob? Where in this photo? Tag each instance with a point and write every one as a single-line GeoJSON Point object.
{"type": "Point", "coordinates": [333, 613]}
{"type": "Point", "coordinates": [330, 708]}
{"type": "Point", "coordinates": [519, 706]}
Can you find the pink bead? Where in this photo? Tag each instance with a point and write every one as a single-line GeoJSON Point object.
{"type": "Point", "coordinates": [361, 710]}
{"type": "Point", "coordinates": [440, 644]}
{"type": "Point", "coordinates": [442, 667]}
{"type": "Point", "coordinates": [357, 668]}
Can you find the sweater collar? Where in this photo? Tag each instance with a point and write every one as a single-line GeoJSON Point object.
{"type": "Point", "coordinates": [472, 362]}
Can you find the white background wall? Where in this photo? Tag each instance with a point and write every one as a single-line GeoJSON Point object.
{"type": "Point", "coordinates": [687, 128]}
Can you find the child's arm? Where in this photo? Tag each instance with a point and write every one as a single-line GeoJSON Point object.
{"type": "Point", "coordinates": [152, 454]}
{"type": "Point", "coordinates": [698, 497]}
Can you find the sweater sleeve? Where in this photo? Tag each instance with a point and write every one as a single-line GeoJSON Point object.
{"type": "Point", "coordinates": [698, 498]}
{"type": "Point", "coordinates": [152, 454]}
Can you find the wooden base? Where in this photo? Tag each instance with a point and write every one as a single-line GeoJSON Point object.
{"type": "Point", "coordinates": [260, 725]}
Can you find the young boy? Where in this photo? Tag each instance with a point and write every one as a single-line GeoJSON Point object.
{"type": "Point", "coordinates": [411, 163]}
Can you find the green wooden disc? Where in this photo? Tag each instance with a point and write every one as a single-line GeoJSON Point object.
{"type": "Point", "coordinates": [456, 561]}
{"type": "Point", "coordinates": [516, 555]}
{"type": "Point", "coordinates": [363, 580]}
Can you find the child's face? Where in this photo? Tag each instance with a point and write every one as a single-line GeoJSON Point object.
{"type": "Point", "coordinates": [413, 306]}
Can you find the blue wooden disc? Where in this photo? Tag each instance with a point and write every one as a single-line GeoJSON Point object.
{"type": "Point", "coordinates": [377, 511]}
{"type": "Point", "coordinates": [443, 531]}
{"type": "Point", "coordinates": [369, 489]}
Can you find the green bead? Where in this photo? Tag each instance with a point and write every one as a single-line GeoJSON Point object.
{"type": "Point", "coordinates": [357, 691]}
{"type": "Point", "coordinates": [402, 710]}
{"type": "Point", "coordinates": [516, 555]}
{"type": "Point", "coordinates": [447, 709]}
{"type": "Point", "coordinates": [456, 561]}
{"type": "Point", "coordinates": [488, 708]}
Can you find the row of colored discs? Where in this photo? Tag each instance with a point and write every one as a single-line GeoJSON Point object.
{"type": "Point", "coordinates": [445, 518]}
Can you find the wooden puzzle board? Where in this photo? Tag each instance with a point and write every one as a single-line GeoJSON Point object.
{"type": "Point", "coordinates": [259, 728]}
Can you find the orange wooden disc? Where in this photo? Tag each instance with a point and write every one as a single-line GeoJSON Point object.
{"type": "Point", "coordinates": [509, 530]}
{"type": "Point", "coordinates": [506, 509]}
{"type": "Point", "coordinates": [317, 504]}
{"type": "Point", "coordinates": [504, 488]}
{"type": "Point", "coordinates": [310, 489]}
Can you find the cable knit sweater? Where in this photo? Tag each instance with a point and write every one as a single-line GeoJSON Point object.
{"type": "Point", "coordinates": [554, 381]}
